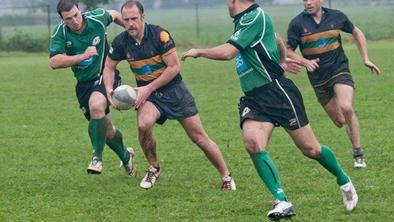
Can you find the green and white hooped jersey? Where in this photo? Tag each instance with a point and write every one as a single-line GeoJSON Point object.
{"type": "Point", "coordinates": [63, 40]}
{"type": "Point", "coordinates": [257, 62]}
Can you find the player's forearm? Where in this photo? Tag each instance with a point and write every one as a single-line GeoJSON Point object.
{"type": "Point", "coordinates": [168, 74]}
{"type": "Point", "coordinates": [281, 46]}
{"type": "Point", "coordinates": [220, 52]}
{"type": "Point", "coordinates": [64, 61]}
{"type": "Point", "coordinates": [293, 55]}
{"type": "Point", "coordinates": [116, 17]}
{"type": "Point", "coordinates": [108, 78]}
{"type": "Point", "coordinates": [361, 43]}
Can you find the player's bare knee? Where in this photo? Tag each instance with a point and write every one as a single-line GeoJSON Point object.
{"type": "Point", "coordinates": [96, 112]}
{"type": "Point", "coordinates": [200, 140]}
{"type": "Point", "coordinates": [252, 146]}
{"type": "Point", "coordinates": [144, 127]}
{"type": "Point", "coordinates": [339, 122]}
{"type": "Point", "coordinates": [346, 109]}
{"type": "Point", "coordinates": [311, 152]}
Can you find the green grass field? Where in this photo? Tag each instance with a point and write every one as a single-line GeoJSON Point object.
{"type": "Point", "coordinates": [44, 152]}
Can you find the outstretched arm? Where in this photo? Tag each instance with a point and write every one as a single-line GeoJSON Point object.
{"type": "Point", "coordinates": [362, 48]}
{"type": "Point", "coordinates": [221, 52]}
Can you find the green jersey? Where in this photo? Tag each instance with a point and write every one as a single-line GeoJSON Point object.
{"type": "Point", "coordinates": [257, 62]}
{"type": "Point", "coordinates": [64, 40]}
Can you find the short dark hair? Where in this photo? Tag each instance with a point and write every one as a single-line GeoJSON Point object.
{"type": "Point", "coordinates": [131, 3]}
{"type": "Point", "coordinates": [65, 6]}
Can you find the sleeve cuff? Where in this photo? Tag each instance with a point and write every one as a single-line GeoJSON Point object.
{"type": "Point", "coordinates": [236, 45]}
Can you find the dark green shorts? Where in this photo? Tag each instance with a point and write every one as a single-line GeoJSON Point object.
{"type": "Point", "coordinates": [279, 102]}
{"type": "Point", "coordinates": [325, 92]}
{"type": "Point", "coordinates": [84, 90]}
{"type": "Point", "coordinates": [173, 102]}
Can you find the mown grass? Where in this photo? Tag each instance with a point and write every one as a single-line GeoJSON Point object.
{"type": "Point", "coordinates": [44, 152]}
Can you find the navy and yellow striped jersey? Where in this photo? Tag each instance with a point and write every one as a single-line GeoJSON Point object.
{"type": "Point", "coordinates": [145, 58]}
{"type": "Point", "coordinates": [321, 41]}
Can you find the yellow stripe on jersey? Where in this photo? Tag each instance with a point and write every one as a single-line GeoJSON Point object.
{"type": "Point", "coordinates": [149, 61]}
{"type": "Point", "coordinates": [319, 50]}
{"type": "Point", "coordinates": [150, 77]}
{"type": "Point", "coordinates": [320, 35]}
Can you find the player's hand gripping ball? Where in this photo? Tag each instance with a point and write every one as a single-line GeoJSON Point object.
{"type": "Point", "coordinates": [124, 97]}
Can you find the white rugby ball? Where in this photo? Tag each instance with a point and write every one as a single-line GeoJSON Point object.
{"type": "Point", "coordinates": [124, 97]}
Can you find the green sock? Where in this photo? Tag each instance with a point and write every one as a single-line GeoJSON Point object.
{"type": "Point", "coordinates": [97, 132]}
{"type": "Point", "coordinates": [329, 161]}
{"type": "Point", "coordinates": [268, 173]}
{"type": "Point", "coordinates": [116, 144]}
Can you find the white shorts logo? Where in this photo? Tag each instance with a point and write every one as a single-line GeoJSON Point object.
{"type": "Point", "coordinates": [83, 109]}
{"type": "Point", "coordinates": [245, 111]}
{"type": "Point", "coordinates": [293, 122]}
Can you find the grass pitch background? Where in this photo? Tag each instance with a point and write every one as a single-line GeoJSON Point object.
{"type": "Point", "coordinates": [44, 151]}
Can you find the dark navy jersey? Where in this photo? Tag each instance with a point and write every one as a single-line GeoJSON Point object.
{"type": "Point", "coordinates": [321, 41]}
{"type": "Point", "coordinates": [145, 58]}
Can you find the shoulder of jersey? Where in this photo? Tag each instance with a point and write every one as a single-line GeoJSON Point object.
{"type": "Point", "coordinates": [298, 18]}
{"type": "Point", "coordinates": [335, 12]}
{"type": "Point", "coordinates": [58, 29]}
{"type": "Point", "coordinates": [155, 29]}
{"type": "Point", "coordinates": [251, 16]}
{"type": "Point", "coordinates": [121, 37]}
{"type": "Point", "coordinates": [95, 12]}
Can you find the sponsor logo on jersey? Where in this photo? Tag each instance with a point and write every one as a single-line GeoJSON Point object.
{"type": "Point", "coordinates": [235, 36]}
{"type": "Point", "coordinates": [85, 63]}
{"type": "Point", "coordinates": [96, 40]}
{"type": "Point", "coordinates": [323, 43]}
{"type": "Point", "coordinates": [147, 69]}
{"type": "Point", "coordinates": [241, 66]}
{"type": "Point", "coordinates": [239, 62]}
{"type": "Point", "coordinates": [164, 36]}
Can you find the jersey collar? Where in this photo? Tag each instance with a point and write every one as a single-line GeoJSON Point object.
{"type": "Point", "coordinates": [324, 11]}
{"type": "Point", "coordinates": [251, 8]}
{"type": "Point", "coordinates": [143, 37]}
